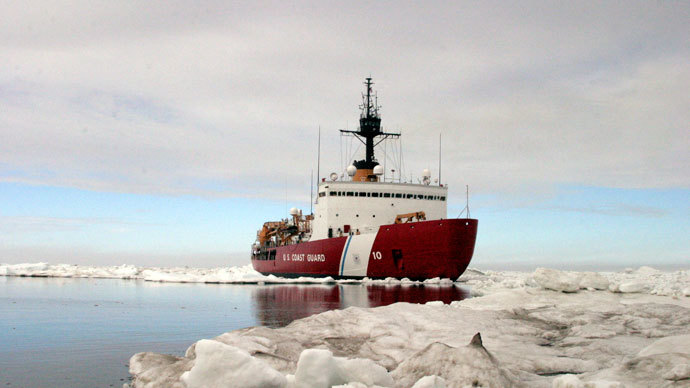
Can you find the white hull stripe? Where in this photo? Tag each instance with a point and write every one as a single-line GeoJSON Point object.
{"type": "Point", "coordinates": [344, 255]}
{"type": "Point", "coordinates": [356, 255]}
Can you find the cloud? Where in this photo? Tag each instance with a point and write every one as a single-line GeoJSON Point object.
{"type": "Point", "coordinates": [29, 224]}
{"type": "Point", "coordinates": [218, 99]}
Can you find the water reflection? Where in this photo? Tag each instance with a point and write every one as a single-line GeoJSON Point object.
{"type": "Point", "coordinates": [278, 305]}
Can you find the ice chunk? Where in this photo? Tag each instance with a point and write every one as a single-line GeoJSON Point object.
{"type": "Point", "coordinates": [594, 280]}
{"type": "Point", "coordinates": [430, 382]}
{"type": "Point", "coordinates": [364, 371]}
{"type": "Point", "coordinates": [158, 370]}
{"type": "Point", "coordinates": [470, 365]}
{"type": "Point", "coordinates": [671, 344]}
{"type": "Point", "coordinates": [646, 271]}
{"type": "Point", "coordinates": [632, 287]}
{"type": "Point", "coordinates": [317, 368]}
{"type": "Point", "coordinates": [220, 365]}
{"type": "Point", "coordinates": [552, 279]}
{"type": "Point", "coordinates": [350, 385]}
{"type": "Point", "coordinates": [679, 372]}
{"type": "Point", "coordinates": [604, 384]}
{"type": "Point", "coordinates": [567, 381]}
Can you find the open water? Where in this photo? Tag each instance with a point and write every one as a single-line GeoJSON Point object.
{"type": "Point", "coordinates": [57, 332]}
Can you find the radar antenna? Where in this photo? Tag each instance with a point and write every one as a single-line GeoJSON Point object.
{"type": "Point", "coordinates": [369, 128]}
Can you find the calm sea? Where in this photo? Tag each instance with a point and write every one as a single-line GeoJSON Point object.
{"type": "Point", "coordinates": [82, 332]}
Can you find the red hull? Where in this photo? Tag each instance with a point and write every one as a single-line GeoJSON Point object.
{"type": "Point", "coordinates": [418, 250]}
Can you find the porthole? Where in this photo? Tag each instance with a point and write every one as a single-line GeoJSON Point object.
{"type": "Point", "coordinates": [356, 215]}
{"type": "Point", "coordinates": [373, 215]}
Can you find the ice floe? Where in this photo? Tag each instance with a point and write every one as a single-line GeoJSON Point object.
{"type": "Point", "coordinates": [243, 274]}
{"type": "Point", "coordinates": [548, 328]}
{"type": "Point", "coordinates": [644, 280]}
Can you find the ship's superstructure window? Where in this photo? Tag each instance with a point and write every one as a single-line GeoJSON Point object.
{"type": "Point", "coordinates": [367, 194]}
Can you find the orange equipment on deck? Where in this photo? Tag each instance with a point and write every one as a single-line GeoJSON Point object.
{"type": "Point", "coordinates": [409, 217]}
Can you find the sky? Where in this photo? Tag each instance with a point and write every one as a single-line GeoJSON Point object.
{"type": "Point", "coordinates": [165, 133]}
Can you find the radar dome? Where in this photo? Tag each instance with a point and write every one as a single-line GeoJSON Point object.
{"type": "Point", "coordinates": [426, 173]}
{"type": "Point", "coordinates": [378, 170]}
{"type": "Point", "coordinates": [334, 176]}
{"type": "Point", "coordinates": [351, 170]}
{"type": "Point", "coordinates": [294, 211]}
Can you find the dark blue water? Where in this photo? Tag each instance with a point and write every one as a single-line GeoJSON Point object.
{"type": "Point", "coordinates": [82, 332]}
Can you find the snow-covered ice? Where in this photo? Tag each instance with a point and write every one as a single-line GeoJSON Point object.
{"type": "Point", "coordinates": [244, 274]}
{"type": "Point", "coordinates": [549, 328]}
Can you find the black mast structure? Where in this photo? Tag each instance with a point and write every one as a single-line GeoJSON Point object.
{"type": "Point", "coordinates": [369, 128]}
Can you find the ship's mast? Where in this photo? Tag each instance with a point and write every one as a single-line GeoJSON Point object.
{"type": "Point", "coordinates": [369, 128]}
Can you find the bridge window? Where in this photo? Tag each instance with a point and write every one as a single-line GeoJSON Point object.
{"type": "Point", "coordinates": [409, 196]}
{"type": "Point", "coordinates": [375, 195]}
{"type": "Point", "coordinates": [350, 194]}
{"type": "Point", "coordinates": [443, 198]}
{"type": "Point", "coordinates": [322, 194]}
{"type": "Point", "coordinates": [386, 195]}
{"type": "Point", "coordinates": [362, 194]}
{"type": "Point", "coordinates": [332, 194]}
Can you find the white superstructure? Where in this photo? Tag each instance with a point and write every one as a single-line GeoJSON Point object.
{"type": "Point", "coordinates": [361, 207]}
